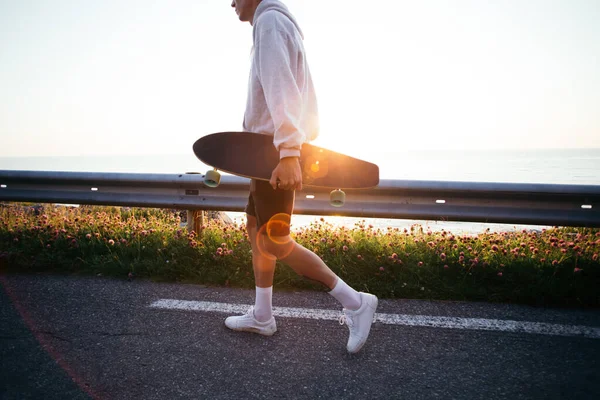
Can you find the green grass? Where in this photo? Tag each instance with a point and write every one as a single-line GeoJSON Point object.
{"type": "Point", "coordinates": [558, 267]}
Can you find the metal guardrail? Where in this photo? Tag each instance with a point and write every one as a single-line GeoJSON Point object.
{"type": "Point", "coordinates": [518, 203]}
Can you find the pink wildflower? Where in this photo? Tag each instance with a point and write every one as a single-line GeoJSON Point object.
{"type": "Point", "coordinates": [111, 242]}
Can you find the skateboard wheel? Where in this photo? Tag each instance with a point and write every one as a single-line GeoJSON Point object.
{"type": "Point", "coordinates": [337, 198]}
{"type": "Point", "coordinates": [212, 178]}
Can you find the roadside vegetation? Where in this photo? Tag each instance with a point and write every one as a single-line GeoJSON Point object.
{"type": "Point", "coordinates": [558, 267]}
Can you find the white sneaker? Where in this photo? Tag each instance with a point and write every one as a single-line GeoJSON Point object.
{"type": "Point", "coordinates": [359, 321]}
{"type": "Point", "coordinates": [248, 323]}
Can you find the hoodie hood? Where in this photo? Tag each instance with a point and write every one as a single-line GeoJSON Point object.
{"type": "Point", "coordinates": [276, 5]}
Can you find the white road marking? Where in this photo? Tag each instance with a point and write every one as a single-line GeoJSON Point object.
{"type": "Point", "coordinates": [482, 324]}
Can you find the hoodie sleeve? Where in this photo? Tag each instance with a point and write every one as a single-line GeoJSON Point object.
{"type": "Point", "coordinates": [275, 55]}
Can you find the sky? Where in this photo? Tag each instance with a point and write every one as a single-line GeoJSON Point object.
{"type": "Point", "coordinates": [139, 77]}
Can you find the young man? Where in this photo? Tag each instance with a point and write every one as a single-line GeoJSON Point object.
{"type": "Point", "coordinates": [282, 103]}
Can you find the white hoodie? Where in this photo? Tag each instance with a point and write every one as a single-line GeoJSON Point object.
{"type": "Point", "coordinates": [281, 97]}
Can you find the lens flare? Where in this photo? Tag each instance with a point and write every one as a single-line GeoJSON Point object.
{"type": "Point", "coordinates": [278, 228]}
{"type": "Point", "coordinates": [273, 238]}
{"type": "Point", "coordinates": [315, 168]}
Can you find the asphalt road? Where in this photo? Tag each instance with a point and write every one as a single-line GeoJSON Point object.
{"type": "Point", "coordinates": [78, 338]}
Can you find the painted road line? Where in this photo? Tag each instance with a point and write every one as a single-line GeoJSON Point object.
{"type": "Point", "coordinates": [480, 324]}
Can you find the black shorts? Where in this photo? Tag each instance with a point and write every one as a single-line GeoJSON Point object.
{"type": "Point", "coordinates": [271, 208]}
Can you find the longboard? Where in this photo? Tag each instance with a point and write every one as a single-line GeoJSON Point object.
{"type": "Point", "coordinates": [252, 155]}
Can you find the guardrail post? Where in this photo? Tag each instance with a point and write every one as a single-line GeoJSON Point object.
{"type": "Point", "coordinates": [195, 220]}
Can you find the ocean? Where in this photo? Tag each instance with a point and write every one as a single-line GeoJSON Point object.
{"type": "Point", "coordinates": [554, 166]}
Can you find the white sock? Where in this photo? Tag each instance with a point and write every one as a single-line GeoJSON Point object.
{"type": "Point", "coordinates": [263, 304]}
{"type": "Point", "coordinates": [343, 293]}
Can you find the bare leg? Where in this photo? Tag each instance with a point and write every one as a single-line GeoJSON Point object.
{"type": "Point", "coordinates": [303, 261]}
{"type": "Point", "coordinates": [262, 263]}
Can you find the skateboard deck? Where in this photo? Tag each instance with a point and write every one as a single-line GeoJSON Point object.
{"type": "Point", "coordinates": [252, 155]}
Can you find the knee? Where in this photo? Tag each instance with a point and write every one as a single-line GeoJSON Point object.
{"type": "Point", "coordinates": [279, 247]}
